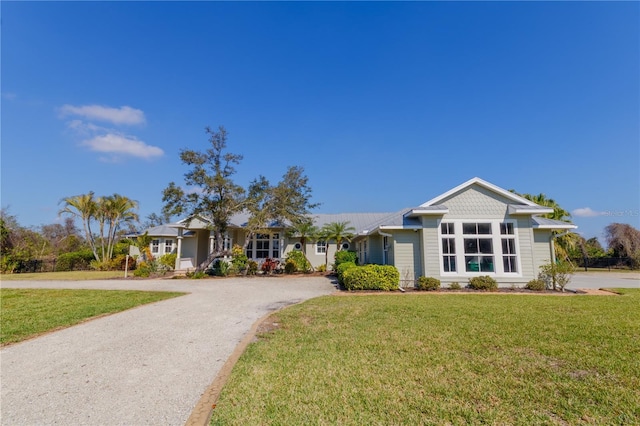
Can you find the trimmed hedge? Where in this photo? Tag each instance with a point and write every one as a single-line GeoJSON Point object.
{"type": "Point", "coordinates": [484, 282]}
{"type": "Point", "coordinates": [428, 284]}
{"type": "Point", "coordinates": [371, 277]}
{"type": "Point", "coordinates": [343, 267]}
{"type": "Point", "coordinates": [344, 256]}
{"type": "Point", "coordinates": [74, 261]}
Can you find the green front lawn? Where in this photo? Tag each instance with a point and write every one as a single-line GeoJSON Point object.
{"type": "Point", "coordinates": [65, 276]}
{"type": "Point", "coordinates": [26, 313]}
{"type": "Point", "coordinates": [443, 359]}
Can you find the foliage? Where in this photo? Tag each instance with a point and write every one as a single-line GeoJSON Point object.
{"type": "Point", "coordinates": [78, 260]}
{"type": "Point", "coordinates": [337, 231]}
{"type": "Point", "coordinates": [536, 285]}
{"type": "Point", "coordinates": [297, 261]}
{"type": "Point", "coordinates": [143, 270]}
{"type": "Point", "coordinates": [455, 286]}
{"type": "Point", "coordinates": [428, 284]}
{"type": "Point", "coordinates": [252, 267]}
{"type": "Point", "coordinates": [239, 260]}
{"type": "Point", "coordinates": [624, 240]}
{"type": "Point", "coordinates": [168, 260]}
{"type": "Point", "coordinates": [484, 282]}
{"type": "Point", "coordinates": [109, 213]}
{"type": "Point", "coordinates": [305, 231]}
{"type": "Point", "coordinates": [343, 256]}
{"type": "Point", "coordinates": [371, 277]}
{"type": "Point", "coordinates": [218, 197]}
{"type": "Point", "coordinates": [556, 275]}
{"type": "Point", "coordinates": [322, 268]}
{"type": "Point", "coordinates": [269, 265]}
{"type": "Point", "coordinates": [221, 268]}
{"type": "Point", "coordinates": [340, 269]}
{"type": "Point", "coordinates": [196, 275]}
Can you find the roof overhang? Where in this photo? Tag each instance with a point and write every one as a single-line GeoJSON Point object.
{"type": "Point", "coordinates": [515, 209]}
{"type": "Point", "coordinates": [437, 210]}
{"type": "Point", "coordinates": [550, 224]}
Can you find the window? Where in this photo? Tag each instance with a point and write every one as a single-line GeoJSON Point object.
{"type": "Point", "coordinates": [449, 254]}
{"type": "Point", "coordinates": [479, 247]}
{"type": "Point", "coordinates": [275, 246]}
{"type": "Point", "coordinates": [155, 246]}
{"type": "Point", "coordinates": [345, 246]}
{"type": "Point", "coordinates": [297, 246]}
{"type": "Point", "coordinates": [321, 247]}
{"type": "Point", "coordinates": [168, 246]}
{"type": "Point", "coordinates": [509, 258]}
{"type": "Point", "coordinates": [262, 246]}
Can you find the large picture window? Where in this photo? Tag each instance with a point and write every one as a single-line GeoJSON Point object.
{"type": "Point", "coordinates": [264, 246]}
{"type": "Point", "coordinates": [478, 247]}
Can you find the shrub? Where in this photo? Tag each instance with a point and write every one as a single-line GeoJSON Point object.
{"type": "Point", "coordinates": [168, 260]}
{"type": "Point", "coordinates": [239, 260]}
{"type": "Point", "coordinates": [455, 286]}
{"type": "Point", "coordinates": [221, 268]}
{"type": "Point", "coordinates": [484, 282]}
{"type": "Point", "coordinates": [143, 270]}
{"type": "Point", "coordinates": [73, 261]}
{"type": "Point", "coordinates": [536, 285]}
{"type": "Point", "coordinates": [343, 256]}
{"type": "Point", "coordinates": [297, 262]}
{"type": "Point", "coordinates": [322, 268]}
{"type": "Point", "coordinates": [343, 267]}
{"type": "Point", "coordinates": [428, 283]}
{"type": "Point", "coordinates": [269, 265]}
{"type": "Point", "coordinates": [371, 277]}
{"type": "Point", "coordinates": [556, 275]}
{"type": "Point", "coordinates": [252, 267]}
{"type": "Point", "coordinates": [196, 275]}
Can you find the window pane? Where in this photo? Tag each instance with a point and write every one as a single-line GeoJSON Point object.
{"type": "Point", "coordinates": [484, 228]}
{"type": "Point", "coordinates": [486, 245]}
{"type": "Point", "coordinates": [506, 228]}
{"type": "Point", "coordinates": [471, 245]}
{"type": "Point", "coordinates": [469, 228]}
{"type": "Point", "coordinates": [508, 246]}
{"type": "Point", "coordinates": [509, 263]}
{"type": "Point", "coordinates": [486, 264]}
{"type": "Point", "coordinates": [472, 263]}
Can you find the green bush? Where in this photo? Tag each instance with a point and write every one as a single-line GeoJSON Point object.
{"type": "Point", "coordinates": [371, 277]}
{"type": "Point", "coordinates": [343, 267]}
{"type": "Point", "coordinates": [455, 286]}
{"type": "Point", "coordinates": [252, 267]}
{"type": "Point", "coordinates": [343, 256]}
{"type": "Point", "coordinates": [221, 268]}
{"type": "Point", "coordinates": [168, 260]}
{"type": "Point", "coordinates": [536, 285]}
{"type": "Point", "coordinates": [74, 261]}
{"type": "Point", "coordinates": [556, 275]}
{"type": "Point", "coordinates": [196, 275]}
{"type": "Point", "coordinates": [428, 284]}
{"type": "Point", "coordinates": [484, 282]}
{"type": "Point", "coordinates": [239, 260]}
{"type": "Point", "coordinates": [296, 262]}
{"type": "Point", "coordinates": [322, 268]}
{"type": "Point", "coordinates": [143, 270]}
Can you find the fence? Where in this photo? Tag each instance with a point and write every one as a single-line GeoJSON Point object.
{"type": "Point", "coordinates": [608, 263]}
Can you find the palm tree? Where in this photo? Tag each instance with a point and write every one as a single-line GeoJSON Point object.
{"type": "Point", "coordinates": [564, 243]}
{"type": "Point", "coordinates": [337, 231]}
{"type": "Point", "coordinates": [119, 210]}
{"type": "Point", "coordinates": [84, 207]}
{"type": "Point", "coordinates": [303, 230]}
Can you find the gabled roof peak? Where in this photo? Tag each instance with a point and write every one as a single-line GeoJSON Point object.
{"type": "Point", "coordinates": [483, 183]}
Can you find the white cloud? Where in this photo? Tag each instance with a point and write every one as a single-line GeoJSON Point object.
{"type": "Point", "coordinates": [120, 144]}
{"type": "Point", "coordinates": [122, 115]}
{"type": "Point", "coordinates": [586, 212]}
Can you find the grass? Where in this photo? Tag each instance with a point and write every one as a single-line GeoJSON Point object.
{"type": "Point", "coordinates": [29, 312]}
{"type": "Point", "coordinates": [442, 359]}
{"type": "Point", "coordinates": [64, 276]}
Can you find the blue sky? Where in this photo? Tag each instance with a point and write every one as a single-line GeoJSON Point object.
{"type": "Point", "coordinates": [386, 105]}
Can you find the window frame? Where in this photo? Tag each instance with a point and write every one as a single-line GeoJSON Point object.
{"type": "Point", "coordinates": [497, 226]}
{"type": "Point", "coordinates": [321, 247]}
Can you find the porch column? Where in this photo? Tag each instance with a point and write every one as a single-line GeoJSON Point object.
{"type": "Point", "coordinates": [212, 240]}
{"type": "Point", "coordinates": [179, 251]}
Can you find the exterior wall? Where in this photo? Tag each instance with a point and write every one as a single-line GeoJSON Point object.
{"type": "Point", "coordinates": [431, 247]}
{"type": "Point", "coordinates": [541, 249]}
{"type": "Point", "coordinates": [189, 249]}
{"type": "Point", "coordinates": [476, 202]}
{"type": "Point", "coordinates": [407, 256]}
{"type": "Point", "coordinates": [375, 250]}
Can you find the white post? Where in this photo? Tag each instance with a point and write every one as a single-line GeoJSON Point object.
{"type": "Point", "coordinates": [126, 265]}
{"type": "Point", "coordinates": [179, 250]}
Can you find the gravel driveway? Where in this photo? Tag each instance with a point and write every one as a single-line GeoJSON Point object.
{"type": "Point", "coordinates": [145, 366]}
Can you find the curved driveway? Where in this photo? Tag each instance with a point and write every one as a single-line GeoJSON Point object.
{"type": "Point", "coordinates": [145, 366]}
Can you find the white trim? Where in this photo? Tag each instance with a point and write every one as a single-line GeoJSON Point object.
{"type": "Point", "coordinates": [483, 183]}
